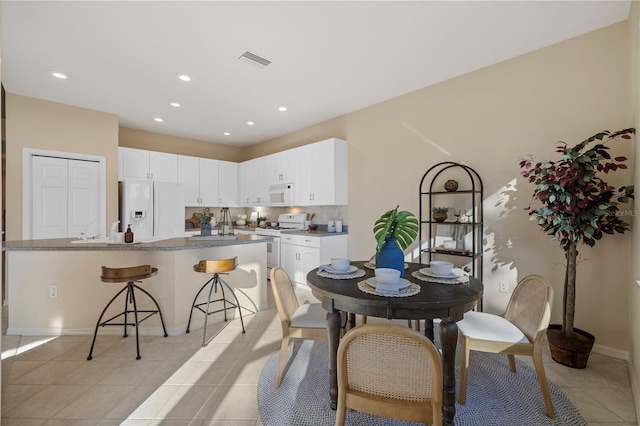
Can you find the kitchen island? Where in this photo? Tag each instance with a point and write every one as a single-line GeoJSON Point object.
{"type": "Point", "coordinates": [54, 285]}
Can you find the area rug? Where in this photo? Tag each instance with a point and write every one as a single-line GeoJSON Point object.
{"type": "Point", "coordinates": [495, 395]}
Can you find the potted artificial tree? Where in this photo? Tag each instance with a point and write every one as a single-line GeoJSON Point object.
{"type": "Point", "coordinates": [394, 232]}
{"type": "Point", "coordinates": [576, 206]}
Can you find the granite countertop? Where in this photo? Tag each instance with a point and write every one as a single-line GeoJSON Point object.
{"type": "Point", "coordinates": [171, 244]}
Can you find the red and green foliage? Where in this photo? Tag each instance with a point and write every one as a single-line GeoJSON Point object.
{"type": "Point", "coordinates": [574, 204]}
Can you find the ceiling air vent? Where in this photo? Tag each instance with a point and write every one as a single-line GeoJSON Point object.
{"type": "Point", "coordinates": [253, 59]}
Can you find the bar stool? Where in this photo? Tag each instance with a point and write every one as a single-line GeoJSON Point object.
{"type": "Point", "coordinates": [129, 275]}
{"type": "Point", "coordinates": [215, 267]}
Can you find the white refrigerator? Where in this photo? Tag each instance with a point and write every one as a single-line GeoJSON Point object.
{"type": "Point", "coordinates": [153, 209]}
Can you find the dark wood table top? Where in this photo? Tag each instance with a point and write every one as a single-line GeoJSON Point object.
{"type": "Point", "coordinates": [435, 300]}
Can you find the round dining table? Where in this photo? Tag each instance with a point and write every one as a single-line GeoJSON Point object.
{"type": "Point", "coordinates": [447, 302]}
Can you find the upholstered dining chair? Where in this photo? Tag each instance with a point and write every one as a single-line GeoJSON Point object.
{"type": "Point", "coordinates": [520, 331]}
{"type": "Point", "coordinates": [391, 371]}
{"type": "Point", "coordinates": [307, 321]}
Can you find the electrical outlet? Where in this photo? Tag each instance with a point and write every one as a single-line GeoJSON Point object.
{"type": "Point", "coordinates": [53, 290]}
{"type": "Point", "coordinates": [324, 217]}
{"type": "Point", "coordinates": [503, 286]}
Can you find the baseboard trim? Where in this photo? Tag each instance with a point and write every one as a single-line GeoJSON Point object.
{"type": "Point", "coordinates": [613, 353]}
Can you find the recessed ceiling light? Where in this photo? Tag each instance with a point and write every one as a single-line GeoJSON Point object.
{"type": "Point", "coordinates": [175, 104]}
{"type": "Point", "coordinates": [250, 123]}
{"type": "Point", "coordinates": [158, 119]}
{"type": "Point", "coordinates": [184, 77]}
{"type": "Point", "coordinates": [60, 75]}
{"type": "Point", "coordinates": [282, 108]}
{"type": "Point", "coordinates": [227, 134]}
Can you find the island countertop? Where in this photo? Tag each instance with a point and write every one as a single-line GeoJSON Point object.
{"type": "Point", "coordinates": [171, 244]}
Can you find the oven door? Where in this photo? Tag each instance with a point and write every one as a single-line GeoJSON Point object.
{"type": "Point", "coordinates": [273, 255]}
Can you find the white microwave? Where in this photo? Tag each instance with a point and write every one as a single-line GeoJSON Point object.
{"type": "Point", "coordinates": [281, 194]}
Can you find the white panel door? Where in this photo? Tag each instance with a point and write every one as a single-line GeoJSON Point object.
{"type": "Point", "coordinates": [65, 197]}
{"type": "Point", "coordinates": [83, 197]}
{"type": "Point", "coordinates": [49, 198]}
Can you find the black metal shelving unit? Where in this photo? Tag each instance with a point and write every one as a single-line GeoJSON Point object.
{"type": "Point", "coordinates": [468, 198]}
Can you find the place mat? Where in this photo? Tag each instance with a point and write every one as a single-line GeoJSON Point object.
{"type": "Point", "coordinates": [370, 265]}
{"type": "Point", "coordinates": [357, 274]}
{"type": "Point", "coordinates": [458, 280]}
{"type": "Point", "coordinates": [412, 290]}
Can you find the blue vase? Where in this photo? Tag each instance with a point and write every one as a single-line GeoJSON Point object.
{"type": "Point", "coordinates": [390, 256]}
{"type": "Point", "coordinates": [205, 229]}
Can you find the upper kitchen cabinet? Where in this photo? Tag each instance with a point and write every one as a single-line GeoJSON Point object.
{"type": "Point", "coordinates": [200, 179]}
{"type": "Point", "coordinates": [321, 173]}
{"type": "Point", "coordinates": [228, 195]}
{"type": "Point", "coordinates": [254, 184]}
{"type": "Point", "coordinates": [281, 167]}
{"type": "Point", "coordinates": [142, 164]}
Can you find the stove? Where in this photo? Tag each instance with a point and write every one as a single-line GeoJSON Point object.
{"type": "Point", "coordinates": [286, 222]}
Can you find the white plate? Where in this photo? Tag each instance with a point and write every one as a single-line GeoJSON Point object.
{"type": "Point", "coordinates": [329, 269]}
{"type": "Point", "coordinates": [403, 283]}
{"type": "Point", "coordinates": [455, 273]}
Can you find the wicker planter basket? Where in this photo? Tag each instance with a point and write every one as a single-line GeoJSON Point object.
{"type": "Point", "coordinates": [570, 351]}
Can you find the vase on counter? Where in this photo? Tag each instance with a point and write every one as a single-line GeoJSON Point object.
{"type": "Point", "coordinates": [240, 222]}
{"type": "Point", "coordinates": [205, 229]}
{"type": "Point", "coordinates": [390, 256]}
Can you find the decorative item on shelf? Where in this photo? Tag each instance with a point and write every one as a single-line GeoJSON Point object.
{"type": "Point", "coordinates": [582, 209]}
{"type": "Point", "coordinates": [440, 213]}
{"type": "Point", "coordinates": [194, 221]}
{"type": "Point", "coordinates": [225, 226]}
{"type": "Point", "coordinates": [204, 219]}
{"type": "Point", "coordinates": [241, 220]}
{"type": "Point", "coordinates": [451, 185]}
{"type": "Point", "coordinates": [394, 232]}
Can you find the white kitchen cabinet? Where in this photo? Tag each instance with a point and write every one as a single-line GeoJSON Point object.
{"type": "Point", "coordinates": [200, 178]}
{"type": "Point", "coordinates": [301, 253]}
{"type": "Point", "coordinates": [228, 195]}
{"type": "Point", "coordinates": [142, 164]}
{"type": "Point", "coordinates": [254, 182]}
{"type": "Point", "coordinates": [321, 173]}
{"type": "Point", "coordinates": [281, 167]}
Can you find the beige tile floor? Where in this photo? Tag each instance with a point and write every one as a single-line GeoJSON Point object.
{"type": "Point", "coordinates": [48, 381]}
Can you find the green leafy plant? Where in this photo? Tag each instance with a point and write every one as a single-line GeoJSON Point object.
{"type": "Point", "coordinates": [204, 216]}
{"type": "Point", "coordinates": [575, 205]}
{"type": "Point", "coordinates": [401, 225]}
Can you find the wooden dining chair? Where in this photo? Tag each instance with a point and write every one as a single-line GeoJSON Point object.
{"type": "Point", "coordinates": [520, 331]}
{"type": "Point", "coordinates": [391, 371]}
{"type": "Point", "coordinates": [307, 321]}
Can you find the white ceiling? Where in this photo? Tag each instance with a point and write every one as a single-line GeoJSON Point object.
{"type": "Point", "coordinates": [328, 58]}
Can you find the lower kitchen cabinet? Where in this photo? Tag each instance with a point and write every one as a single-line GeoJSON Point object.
{"type": "Point", "coordinates": [302, 253]}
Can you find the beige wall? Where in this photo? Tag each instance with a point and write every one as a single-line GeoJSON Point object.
{"type": "Point", "coordinates": [132, 138]}
{"type": "Point", "coordinates": [39, 124]}
{"type": "Point", "coordinates": [489, 119]}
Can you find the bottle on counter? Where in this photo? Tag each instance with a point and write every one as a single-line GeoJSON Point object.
{"type": "Point", "coordinates": [128, 235]}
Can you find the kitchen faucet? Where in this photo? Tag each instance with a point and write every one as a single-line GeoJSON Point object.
{"type": "Point", "coordinates": [83, 235]}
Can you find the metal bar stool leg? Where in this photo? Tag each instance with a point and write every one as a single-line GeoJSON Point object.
{"type": "Point", "coordinates": [153, 299]}
{"type": "Point", "coordinates": [224, 298]}
{"type": "Point", "coordinates": [95, 333]}
{"type": "Point", "coordinates": [206, 315]}
{"type": "Point", "coordinates": [135, 316]}
{"type": "Point", "coordinates": [193, 305]}
{"type": "Point", "coordinates": [237, 302]}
